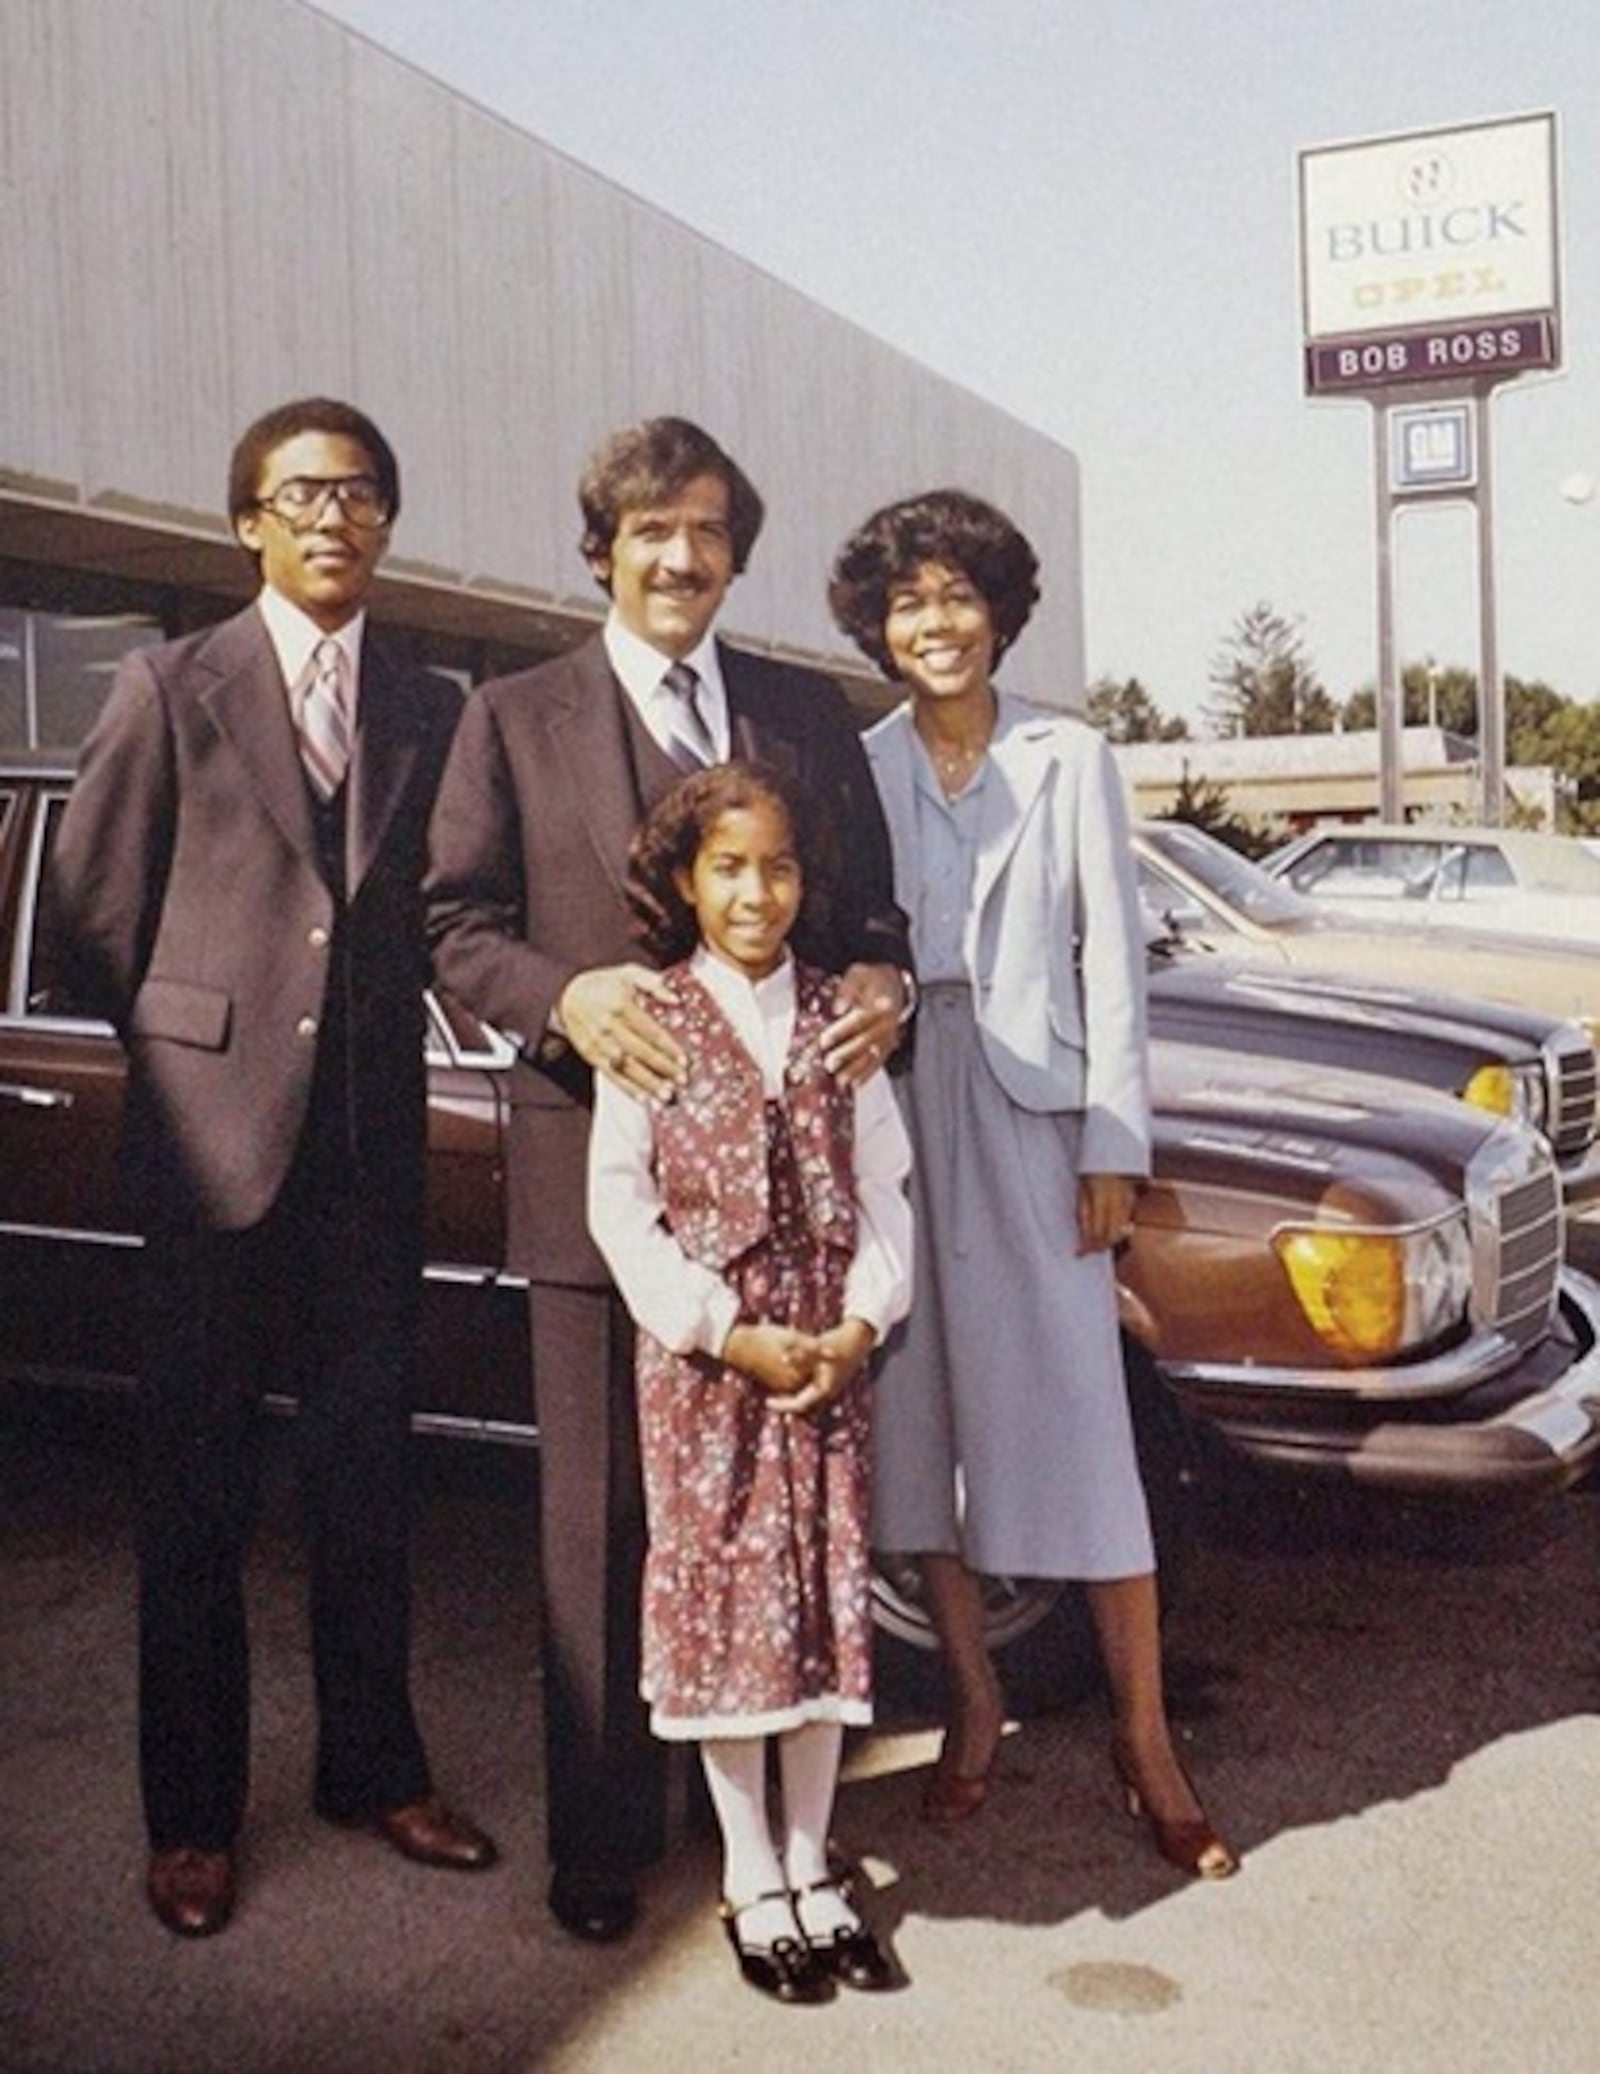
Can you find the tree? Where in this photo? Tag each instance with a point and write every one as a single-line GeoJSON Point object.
{"type": "Point", "coordinates": [1127, 713]}
{"type": "Point", "coordinates": [1264, 682]}
{"type": "Point", "coordinates": [1429, 697]}
{"type": "Point", "coordinates": [1531, 708]}
{"type": "Point", "coordinates": [1204, 804]}
{"type": "Point", "coordinates": [1568, 738]}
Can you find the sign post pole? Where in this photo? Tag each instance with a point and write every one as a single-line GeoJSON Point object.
{"type": "Point", "coordinates": [1390, 694]}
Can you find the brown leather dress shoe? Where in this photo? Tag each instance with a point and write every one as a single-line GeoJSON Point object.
{"type": "Point", "coordinates": [191, 1892]}
{"type": "Point", "coordinates": [432, 1834]}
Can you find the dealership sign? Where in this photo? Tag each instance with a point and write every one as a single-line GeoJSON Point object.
{"type": "Point", "coordinates": [1430, 257]}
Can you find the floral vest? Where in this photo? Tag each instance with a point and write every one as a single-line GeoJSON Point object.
{"type": "Point", "coordinates": [711, 1139]}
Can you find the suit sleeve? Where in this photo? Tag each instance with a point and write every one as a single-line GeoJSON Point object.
{"type": "Point", "coordinates": [1116, 1120]}
{"type": "Point", "coordinates": [475, 893]}
{"type": "Point", "coordinates": [871, 930]}
{"type": "Point", "coordinates": [113, 852]}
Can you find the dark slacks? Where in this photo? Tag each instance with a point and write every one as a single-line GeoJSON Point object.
{"type": "Point", "coordinates": [605, 1773]}
{"type": "Point", "coordinates": [320, 1299]}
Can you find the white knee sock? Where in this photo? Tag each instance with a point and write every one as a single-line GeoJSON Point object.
{"type": "Point", "coordinates": [808, 1759]}
{"type": "Point", "coordinates": [736, 1776]}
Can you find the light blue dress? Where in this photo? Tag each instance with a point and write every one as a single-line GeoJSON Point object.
{"type": "Point", "coordinates": [1001, 1423]}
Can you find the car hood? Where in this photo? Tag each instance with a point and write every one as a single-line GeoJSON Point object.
{"type": "Point", "coordinates": [1312, 1126]}
{"type": "Point", "coordinates": [1367, 1025]}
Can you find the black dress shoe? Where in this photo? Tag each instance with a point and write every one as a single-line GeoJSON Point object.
{"type": "Point", "coordinates": [191, 1892]}
{"type": "Point", "coordinates": [597, 1908]}
{"type": "Point", "coordinates": [850, 1953]}
{"type": "Point", "coordinates": [787, 1969]}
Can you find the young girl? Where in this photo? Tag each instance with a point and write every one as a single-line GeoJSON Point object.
{"type": "Point", "coordinates": [757, 1228]}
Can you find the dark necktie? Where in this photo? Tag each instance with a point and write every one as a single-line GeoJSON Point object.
{"type": "Point", "coordinates": [689, 744]}
{"type": "Point", "coordinates": [323, 720]}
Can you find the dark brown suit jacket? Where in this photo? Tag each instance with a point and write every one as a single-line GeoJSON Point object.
{"type": "Point", "coordinates": [193, 914]}
{"type": "Point", "coordinates": [530, 844]}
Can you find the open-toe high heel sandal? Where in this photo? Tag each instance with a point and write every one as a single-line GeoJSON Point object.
{"type": "Point", "coordinates": [1191, 1844]}
{"type": "Point", "coordinates": [952, 1796]}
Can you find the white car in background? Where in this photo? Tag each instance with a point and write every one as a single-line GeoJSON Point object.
{"type": "Point", "coordinates": [1459, 878]}
{"type": "Point", "coordinates": [1207, 894]}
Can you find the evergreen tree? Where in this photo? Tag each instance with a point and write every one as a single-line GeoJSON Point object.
{"type": "Point", "coordinates": [1125, 712]}
{"type": "Point", "coordinates": [1263, 681]}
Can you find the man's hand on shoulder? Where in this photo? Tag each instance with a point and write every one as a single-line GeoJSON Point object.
{"type": "Point", "coordinates": [871, 1000]}
{"type": "Point", "coordinates": [604, 1017]}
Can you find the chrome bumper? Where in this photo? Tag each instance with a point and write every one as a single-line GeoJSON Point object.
{"type": "Point", "coordinates": [1535, 1427]}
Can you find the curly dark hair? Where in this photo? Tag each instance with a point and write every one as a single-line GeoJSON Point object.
{"type": "Point", "coordinates": [258, 442]}
{"type": "Point", "coordinates": [650, 463]}
{"type": "Point", "coordinates": [944, 526]}
{"type": "Point", "coordinates": [673, 832]}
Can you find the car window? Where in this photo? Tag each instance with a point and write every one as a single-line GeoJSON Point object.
{"type": "Point", "coordinates": [1487, 869]}
{"type": "Point", "coordinates": [1235, 881]}
{"type": "Point", "coordinates": [456, 1037]}
{"type": "Point", "coordinates": [42, 988]}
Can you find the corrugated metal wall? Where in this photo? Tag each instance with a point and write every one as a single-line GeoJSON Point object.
{"type": "Point", "coordinates": [209, 205]}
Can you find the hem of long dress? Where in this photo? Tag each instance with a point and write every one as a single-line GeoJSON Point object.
{"type": "Point", "coordinates": [700, 1728]}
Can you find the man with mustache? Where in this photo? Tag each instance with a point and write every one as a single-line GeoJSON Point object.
{"type": "Point", "coordinates": [549, 776]}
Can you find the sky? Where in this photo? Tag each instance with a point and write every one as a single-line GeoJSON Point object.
{"type": "Point", "coordinates": [1084, 211]}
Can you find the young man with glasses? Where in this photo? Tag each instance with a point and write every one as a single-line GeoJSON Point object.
{"type": "Point", "coordinates": [237, 889]}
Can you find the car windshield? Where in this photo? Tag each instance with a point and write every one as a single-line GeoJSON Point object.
{"type": "Point", "coordinates": [1234, 880]}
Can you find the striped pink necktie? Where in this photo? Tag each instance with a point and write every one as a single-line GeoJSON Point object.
{"type": "Point", "coordinates": [690, 746]}
{"type": "Point", "coordinates": [324, 720]}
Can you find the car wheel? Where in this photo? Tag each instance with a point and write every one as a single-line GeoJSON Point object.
{"type": "Point", "coordinates": [1038, 1629]}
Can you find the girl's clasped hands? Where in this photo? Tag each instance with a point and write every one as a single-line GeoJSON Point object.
{"type": "Point", "coordinates": [800, 1371]}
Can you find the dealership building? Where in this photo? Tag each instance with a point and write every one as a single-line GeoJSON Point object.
{"type": "Point", "coordinates": [211, 206]}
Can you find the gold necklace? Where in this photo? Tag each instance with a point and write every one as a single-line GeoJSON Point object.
{"type": "Point", "coordinates": [954, 765]}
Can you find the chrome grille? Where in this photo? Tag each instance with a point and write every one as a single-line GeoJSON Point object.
{"type": "Point", "coordinates": [1576, 1075]}
{"type": "Point", "coordinates": [1527, 1217]}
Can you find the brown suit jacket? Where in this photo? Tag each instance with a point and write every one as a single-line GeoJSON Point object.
{"type": "Point", "coordinates": [194, 914]}
{"type": "Point", "coordinates": [537, 808]}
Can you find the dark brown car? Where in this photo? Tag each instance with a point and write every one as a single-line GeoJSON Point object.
{"type": "Point", "coordinates": [1330, 1271]}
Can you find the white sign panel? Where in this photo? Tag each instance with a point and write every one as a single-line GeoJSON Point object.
{"type": "Point", "coordinates": [1448, 236]}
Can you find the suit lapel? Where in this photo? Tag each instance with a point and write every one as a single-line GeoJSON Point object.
{"type": "Point", "coordinates": [1020, 756]}
{"type": "Point", "coordinates": [249, 708]}
{"type": "Point", "coordinates": [589, 737]}
{"type": "Point", "coordinates": [891, 753]}
{"type": "Point", "coordinates": [756, 733]}
{"type": "Point", "coordinates": [385, 752]}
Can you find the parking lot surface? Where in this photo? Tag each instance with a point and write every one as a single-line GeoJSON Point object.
{"type": "Point", "coordinates": [1398, 1725]}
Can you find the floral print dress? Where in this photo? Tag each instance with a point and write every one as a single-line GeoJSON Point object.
{"type": "Point", "coordinates": [756, 1613]}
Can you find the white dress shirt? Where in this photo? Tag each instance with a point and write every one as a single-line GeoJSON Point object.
{"type": "Point", "coordinates": [639, 669]}
{"type": "Point", "coordinates": [296, 637]}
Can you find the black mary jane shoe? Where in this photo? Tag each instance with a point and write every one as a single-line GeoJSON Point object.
{"type": "Point", "coordinates": [850, 1953]}
{"type": "Point", "coordinates": [787, 1969]}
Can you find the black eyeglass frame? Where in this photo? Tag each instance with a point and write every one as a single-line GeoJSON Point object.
{"type": "Point", "coordinates": [345, 490]}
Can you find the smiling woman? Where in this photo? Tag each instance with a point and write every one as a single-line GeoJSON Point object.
{"type": "Point", "coordinates": [1004, 1440]}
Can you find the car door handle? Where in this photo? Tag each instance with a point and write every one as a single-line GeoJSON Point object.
{"type": "Point", "coordinates": [35, 1097]}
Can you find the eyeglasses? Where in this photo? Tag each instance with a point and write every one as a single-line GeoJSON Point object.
{"type": "Point", "coordinates": [302, 501]}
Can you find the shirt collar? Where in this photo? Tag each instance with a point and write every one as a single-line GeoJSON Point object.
{"type": "Point", "coordinates": [639, 669]}
{"type": "Point", "coordinates": [295, 635]}
{"type": "Point", "coordinates": [771, 995]}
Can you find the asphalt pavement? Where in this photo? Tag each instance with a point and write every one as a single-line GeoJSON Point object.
{"type": "Point", "coordinates": [1397, 1724]}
